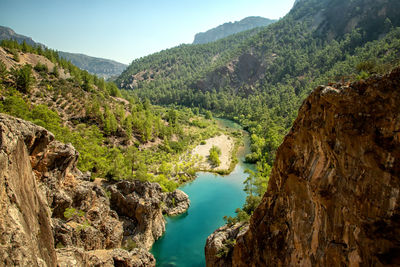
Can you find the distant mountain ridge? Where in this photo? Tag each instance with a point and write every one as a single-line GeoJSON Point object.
{"type": "Point", "coordinates": [230, 28]}
{"type": "Point", "coordinates": [8, 33]}
{"type": "Point", "coordinates": [102, 67]}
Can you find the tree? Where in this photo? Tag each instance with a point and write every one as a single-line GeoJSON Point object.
{"type": "Point", "coordinates": [113, 90]}
{"type": "Point", "coordinates": [172, 117]}
{"type": "Point", "coordinates": [55, 71]}
{"type": "Point", "coordinates": [15, 55]}
{"type": "Point", "coordinates": [208, 115]}
{"type": "Point", "coordinates": [3, 71]}
{"type": "Point", "coordinates": [25, 47]}
{"type": "Point", "coordinates": [214, 156]}
{"type": "Point", "coordinates": [23, 78]}
{"type": "Point", "coordinates": [110, 122]}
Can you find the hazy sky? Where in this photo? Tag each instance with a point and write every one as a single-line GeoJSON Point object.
{"type": "Point", "coordinates": [123, 30]}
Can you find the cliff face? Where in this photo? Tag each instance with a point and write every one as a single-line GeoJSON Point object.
{"type": "Point", "coordinates": [52, 214]}
{"type": "Point", "coordinates": [25, 225]}
{"type": "Point", "coordinates": [333, 195]}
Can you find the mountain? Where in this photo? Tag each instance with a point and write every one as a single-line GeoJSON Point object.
{"type": "Point", "coordinates": [105, 68]}
{"type": "Point", "coordinates": [230, 28]}
{"type": "Point", "coordinates": [266, 73]}
{"type": "Point", "coordinates": [8, 33]}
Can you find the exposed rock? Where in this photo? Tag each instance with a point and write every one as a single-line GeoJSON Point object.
{"type": "Point", "coordinates": [66, 187]}
{"type": "Point", "coordinates": [106, 258]}
{"type": "Point", "coordinates": [141, 206]}
{"type": "Point", "coordinates": [176, 202]}
{"type": "Point", "coordinates": [46, 202]}
{"type": "Point", "coordinates": [333, 195]}
{"type": "Point", "coordinates": [220, 244]}
{"type": "Point", "coordinates": [241, 73]}
{"type": "Point", "coordinates": [26, 238]}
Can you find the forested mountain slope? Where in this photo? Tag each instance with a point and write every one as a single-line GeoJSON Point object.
{"type": "Point", "coordinates": [102, 67]}
{"type": "Point", "coordinates": [180, 64]}
{"type": "Point", "coordinates": [117, 138]}
{"type": "Point", "coordinates": [261, 79]}
{"type": "Point", "coordinates": [230, 28]}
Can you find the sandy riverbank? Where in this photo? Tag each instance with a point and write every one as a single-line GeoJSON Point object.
{"type": "Point", "coordinates": [225, 143]}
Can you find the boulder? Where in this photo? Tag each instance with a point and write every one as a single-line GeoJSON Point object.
{"type": "Point", "coordinates": [176, 202]}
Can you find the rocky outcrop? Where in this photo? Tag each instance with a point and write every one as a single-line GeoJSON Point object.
{"type": "Point", "coordinates": [176, 202]}
{"type": "Point", "coordinates": [106, 258]}
{"type": "Point", "coordinates": [333, 195]}
{"type": "Point", "coordinates": [141, 206]}
{"type": "Point", "coordinates": [47, 203]}
{"type": "Point", "coordinates": [81, 214]}
{"type": "Point", "coordinates": [219, 244]}
{"type": "Point", "coordinates": [241, 73]}
{"type": "Point", "coordinates": [26, 236]}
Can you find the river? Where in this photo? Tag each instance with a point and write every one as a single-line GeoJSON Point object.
{"type": "Point", "coordinates": [211, 198]}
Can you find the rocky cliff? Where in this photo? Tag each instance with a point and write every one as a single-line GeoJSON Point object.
{"type": "Point", "coordinates": [333, 195]}
{"type": "Point", "coordinates": [52, 214]}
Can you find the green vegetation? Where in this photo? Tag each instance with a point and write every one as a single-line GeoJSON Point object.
{"type": "Point", "coordinates": [23, 78]}
{"type": "Point", "coordinates": [230, 28]}
{"type": "Point", "coordinates": [129, 244]}
{"type": "Point", "coordinates": [259, 79]}
{"type": "Point", "coordinates": [227, 248]}
{"type": "Point", "coordinates": [117, 135]}
{"type": "Point", "coordinates": [215, 152]}
{"type": "Point", "coordinates": [71, 212]}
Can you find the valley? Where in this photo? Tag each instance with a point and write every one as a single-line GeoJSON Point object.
{"type": "Point", "coordinates": [212, 197]}
{"type": "Point", "coordinates": [265, 142]}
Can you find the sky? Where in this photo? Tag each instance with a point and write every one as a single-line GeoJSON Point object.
{"type": "Point", "coordinates": [124, 30]}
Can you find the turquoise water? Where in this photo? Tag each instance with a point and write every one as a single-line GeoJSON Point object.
{"type": "Point", "coordinates": [212, 197]}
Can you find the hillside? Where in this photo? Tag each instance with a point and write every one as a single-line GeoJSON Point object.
{"type": "Point", "coordinates": [261, 80]}
{"type": "Point", "coordinates": [117, 138]}
{"type": "Point", "coordinates": [230, 28]}
{"type": "Point", "coordinates": [102, 67]}
{"type": "Point", "coordinates": [96, 164]}
{"type": "Point", "coordinates": [99, 66]}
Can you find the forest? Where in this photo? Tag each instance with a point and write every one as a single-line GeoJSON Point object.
{"type": "Point", "coordinates": [259, 79]}
{"type": "Point", "coordinates": [117, 135]}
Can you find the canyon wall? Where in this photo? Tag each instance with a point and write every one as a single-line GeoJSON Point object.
{"type": "Point", "coordinates": [52, 214]}
{"type": "Point", "coordinates": [333, 195]}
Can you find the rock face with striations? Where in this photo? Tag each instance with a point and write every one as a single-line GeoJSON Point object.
{"type": "Point", "coordinates": [141, 206]}
{"type": "Point", "coordinates": [25, 225]}
{"type": "Point", "coordinates": [333, 195]}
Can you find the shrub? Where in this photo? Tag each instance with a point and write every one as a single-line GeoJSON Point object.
{"type": "Point", "coordinates": [41, 67]}
{"type": "Point", "coordinates": [71, 212]}
{"type": "Point", "coordinates": [214, 156]}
